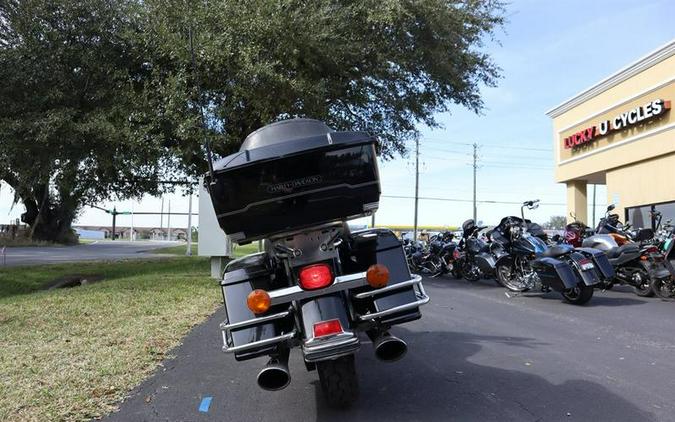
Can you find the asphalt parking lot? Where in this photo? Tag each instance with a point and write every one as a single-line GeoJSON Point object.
{"type": "Point", "coordinates": [475, 355]}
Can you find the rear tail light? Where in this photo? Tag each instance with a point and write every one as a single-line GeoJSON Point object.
{"type": "Point", "coordinates": [455, 254]}
{"type": "Point", "coordinates": [327, 328]}
{"type": "Point", "coordinates": [316, 276]}
{"type": "Point", "coordinates": [652, 249]}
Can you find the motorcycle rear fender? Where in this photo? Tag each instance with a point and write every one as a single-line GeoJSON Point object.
{"type": "Point", "coordinates": [600, 260]}
{"type": "Point", "coordinates": [589, 277]}
{"type": "Point", "coordinates": [555, 273]}
{"type": "Point", "coordinates": [321, 309]}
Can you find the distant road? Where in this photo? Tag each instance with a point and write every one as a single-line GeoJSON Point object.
{"type": "Point", "coordinates": [97, 251]}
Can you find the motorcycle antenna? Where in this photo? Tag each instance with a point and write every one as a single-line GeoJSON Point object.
{"type": "Point", "coordinates": [207, 142]}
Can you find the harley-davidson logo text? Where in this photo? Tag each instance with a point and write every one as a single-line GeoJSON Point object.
{"type": "Point", "coordinates": [287, 187]}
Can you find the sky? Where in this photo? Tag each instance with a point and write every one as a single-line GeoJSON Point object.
{"type": "Point", "coordinates": [548, 52]}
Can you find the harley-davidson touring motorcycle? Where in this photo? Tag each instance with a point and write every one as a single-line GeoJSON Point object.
{"type": "Point", "coordinates": [665, 241]}
{"type": "Point", "coordinates": [637, 261]}
{"type": "Point", "coordinates": [317, 285]}
{"type": "Point", "coordinates": [478, 257]}
{"type": "Point", "coordinates": [532, 264]}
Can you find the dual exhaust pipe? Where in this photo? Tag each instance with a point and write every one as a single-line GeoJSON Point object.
{"type": "Point", "coordinates": [276, 376]}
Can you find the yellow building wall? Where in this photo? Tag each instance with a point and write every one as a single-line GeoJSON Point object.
{"type": "Point", "coordinates": [642, 183]}
{"type": "Point", "coordinates": [607, 105]}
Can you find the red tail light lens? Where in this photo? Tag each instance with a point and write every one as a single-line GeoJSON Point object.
{"type": "Point", "coordinates": [327, 328]}
{"type": "Point", "coordinates": [652, 249]}
{"type": "Point", "coordinates": [315, 276]}
{"type": "Point", "coordinates": [455, 254]}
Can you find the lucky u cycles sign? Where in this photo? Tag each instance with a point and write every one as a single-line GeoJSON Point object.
{"type": "Point", "coordinates": [622, 121]}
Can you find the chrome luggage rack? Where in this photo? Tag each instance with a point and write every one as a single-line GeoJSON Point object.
{"type": "Point", "coordinates": [294, 293]}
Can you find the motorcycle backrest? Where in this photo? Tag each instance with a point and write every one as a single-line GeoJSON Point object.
{"type": "Point", "coordinates": [644, 234]}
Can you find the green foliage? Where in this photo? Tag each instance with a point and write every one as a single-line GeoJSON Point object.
{"type": "Point", "coordinates": [556, 222]}
{"type": "Point", "coordinates": [100, 98]}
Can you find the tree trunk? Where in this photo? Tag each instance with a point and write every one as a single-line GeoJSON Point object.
{"type": "Point", "coordinates": [49, 220]}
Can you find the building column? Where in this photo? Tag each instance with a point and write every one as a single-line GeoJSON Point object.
{"type": "Point", "coordinates": [576, 201]}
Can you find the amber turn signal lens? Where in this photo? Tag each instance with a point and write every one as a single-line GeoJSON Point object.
{"type": "Point", "coordinates": [258, 301]}
{"type": "Point", "coordinates": [377, 276]}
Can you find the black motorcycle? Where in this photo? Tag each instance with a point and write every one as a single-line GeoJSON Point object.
{"type": "Point", "coordinates": [424, 258]}
{"type": "Point", "coordinates": [479, 254]}
{"type": "Point", "coordinates": [532, 264]}
{"type": "Point", "coordinates": [317, 285]}
{"type": "Point", "coordinates": [636, 259]}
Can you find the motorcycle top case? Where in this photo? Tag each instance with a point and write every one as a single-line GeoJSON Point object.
{"type": "Point", "coordinates": [294, 174]}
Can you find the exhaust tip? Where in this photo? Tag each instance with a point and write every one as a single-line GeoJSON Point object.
{"type": "Point", "coordinates": [274, 377]}
{"type": "Point", "coordinates": [390, 349]}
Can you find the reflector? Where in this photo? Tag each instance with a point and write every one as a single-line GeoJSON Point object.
{"type": "Point", "coordinates": [327, 328]}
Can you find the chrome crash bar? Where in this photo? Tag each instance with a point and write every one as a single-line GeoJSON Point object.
{"type": "Point", "coordinates": [341, 283]}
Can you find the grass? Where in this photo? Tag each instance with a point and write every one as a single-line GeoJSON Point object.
{"type": "Point", "coordinates": [74, 354]}
{"type": "Point", "coordinates": [239, 251]}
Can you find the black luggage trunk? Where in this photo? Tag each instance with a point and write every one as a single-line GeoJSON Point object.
{"type": "Point", "coordinates": [281, 185]}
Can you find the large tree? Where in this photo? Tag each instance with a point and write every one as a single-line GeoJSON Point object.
{"type": "Point", "coordinates": [101, 97]}
{"type": "Point", "coordinates": [70, 76]}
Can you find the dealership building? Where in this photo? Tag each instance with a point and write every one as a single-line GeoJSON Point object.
{"type": "Point", "coordinates": [620, 133]}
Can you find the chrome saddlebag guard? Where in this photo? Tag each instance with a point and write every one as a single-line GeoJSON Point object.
{"type": "Point", "coordinates": [244, 333]}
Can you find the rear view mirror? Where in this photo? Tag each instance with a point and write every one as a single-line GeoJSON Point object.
{"type": "Point", "coordinates": [611, 207]}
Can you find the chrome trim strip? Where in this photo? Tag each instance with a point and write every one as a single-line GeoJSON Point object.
{"type": "Point", "coordinates": [253, 321]}
{"type": "Point", "coordinates": [259, 343]}
{"type": "Point", "coordinates": [416, 279]}
{"type": "Point", "coordinates": [331, 347]}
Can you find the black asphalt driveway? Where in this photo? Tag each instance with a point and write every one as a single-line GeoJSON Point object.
{"type": "Point", "coordinates": [476, 355]}
{"type": "Point", "coordinates": [97, 251]}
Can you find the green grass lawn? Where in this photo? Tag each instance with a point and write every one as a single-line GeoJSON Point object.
{"type": "Point", "coordinates": [239, 251]}
{"type": "Point", "coordinates": [74, 354]}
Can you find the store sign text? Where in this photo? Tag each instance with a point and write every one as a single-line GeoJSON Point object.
{"type": "Point", "coordinates": [622, 121]}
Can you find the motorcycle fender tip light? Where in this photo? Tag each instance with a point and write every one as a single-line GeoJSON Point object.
{"type": "Point", "coordinates": [258, 301]}
{"type": "Point", "coordinates": [327, 328]}
{"type": "Point", "coordinates": [377, 276]}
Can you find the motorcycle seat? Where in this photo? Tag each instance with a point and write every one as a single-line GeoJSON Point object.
{"type": "Point", "coordinates": [557, 250]}
{"type": "Point", "coordinates": [618, 250]}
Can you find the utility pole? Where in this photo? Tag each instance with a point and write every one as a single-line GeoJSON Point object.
{"type": "Point", "coordinates": [114, 214]}
{"type": "Point", "coordinates": [475, 168]}
{"type": "Point", "coordinates": [168, 221]}
{"type": "Point", "coordinates": [188, 252]}
{"type": "Point", "coordinates": [417, 183]}
{"type": "Point", "coordinates": [131, 234]}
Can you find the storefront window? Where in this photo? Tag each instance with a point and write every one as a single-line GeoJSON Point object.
{"type": "Point", "coordinates": [641, 217]}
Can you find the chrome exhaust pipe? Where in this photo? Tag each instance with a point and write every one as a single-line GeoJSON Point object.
{"type": "Point", "coordinates": [275, 375]}
{"type": "Point", "coordinates": [389, 348]}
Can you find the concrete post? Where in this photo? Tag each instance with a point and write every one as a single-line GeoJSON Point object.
{"type": "Point", "coordinates": [577, 203]}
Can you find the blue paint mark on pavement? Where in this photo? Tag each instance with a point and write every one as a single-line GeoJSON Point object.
{"type": "Point", "coordinates": [204, 405]}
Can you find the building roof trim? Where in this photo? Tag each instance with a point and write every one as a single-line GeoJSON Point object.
{"type": "Point", "coordinates": [660, 54]}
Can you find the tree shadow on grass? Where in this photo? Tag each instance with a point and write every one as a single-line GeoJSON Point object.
{"type": "Point", "coordinates": [437, 381]}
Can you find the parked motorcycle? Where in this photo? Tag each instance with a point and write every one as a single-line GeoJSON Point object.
{"type": "Point", "coordinates": [317, 284]}
{"type": "Point", "coordinates": [532, 264]}
{"type": "Point", "coordinates": [424, 258]}
{"type": "Point", "coordinates": [478, 256]}
{"type": "Point", "coordinates": [665, 240]}
{"type": "Point", "coordinates": [447, 249]}
{"type": "Point", "coordinates": [636, 260]}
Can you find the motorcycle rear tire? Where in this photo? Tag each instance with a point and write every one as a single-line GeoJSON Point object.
{"type": "Point", "coordinates": [578, 295]}
{"type": "Point", "coordinates": [665, 289]}
{"type": "Point", "coordinates": [644, 290]}
{"type": "Point", "coordinates": [338, 380]}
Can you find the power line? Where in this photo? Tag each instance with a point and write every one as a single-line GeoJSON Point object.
{"type": "Point", "coordinates": [429, 198]}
